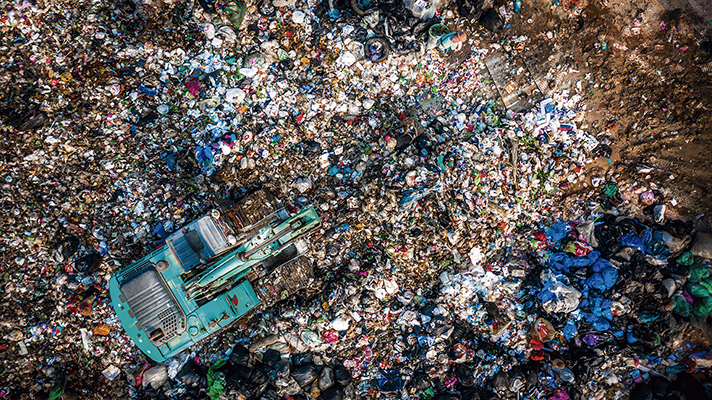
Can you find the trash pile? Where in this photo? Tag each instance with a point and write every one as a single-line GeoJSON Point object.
{"type": "Point", "coordinates": [438, 277]}
{"type": "Point", "coordinates": [596, 307]}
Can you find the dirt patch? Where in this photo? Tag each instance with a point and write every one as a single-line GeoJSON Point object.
{"type": "Point", "coordinates": [642, 69]}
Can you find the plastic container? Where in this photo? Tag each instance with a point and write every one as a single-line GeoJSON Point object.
{"type": "Point", "coordinates": [434, 34]}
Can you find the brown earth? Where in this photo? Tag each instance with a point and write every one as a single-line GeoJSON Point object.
{"type": "Point", "coordinates": [646, 92]}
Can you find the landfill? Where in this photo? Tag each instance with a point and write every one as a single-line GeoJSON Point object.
{"type": "Point", "coordinates": [514, 195]}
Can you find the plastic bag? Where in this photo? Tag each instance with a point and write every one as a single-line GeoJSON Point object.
{"type": "Point", "coordinates": [187, 375]}
{"type": "Point", "coordinates": [260, 378]}
{"type": "Point", "coordinates": [465, 376]}
{"type": "Point", "coordinates": [492, 21]}
{"type": "Point", "coordinates": [305, 374]}
{"type": "Point", "coordinates": [333, 394]}
{"type": "Point", "coordinates": [635, 241]}
{"type": "Point", "coordinates": [27, 119]}
{"type": "Point", "coordinates": [558, 231]}
{"type": "Point", "coordinates": [698, 272]}
{"type": "Point", "coordinates": [470, 8]}
{"type": "Point", "coordinates": [282, 369]}
{"type": "Point", "coordinates": [570, 330]}
{"type": "Point", "coordinates": [674, 244]}
{"type": "Point", "coordinates": [559, 298]}
{"type": "Point", "coordinates": [342, 376]}
{"type": "Point", "coordinates": [563, 262]}
{"type": "Point", "coordinates": [156, 376]}
{"type": "Point", "coordinates": [89, 263]}
{"type": "Point", "coordinates": [423, 9]}
{"type": "Point", "coordinates": [216, 380]}
{"type": "Point", "coordinates": [698, 291]}
{"type": "Point", "coordinates": [586, 230]}
{"type": "Point", "coordinates": [298, 359]}
{"type": "Point", "coordinates": [446, 396]}
{"type": "Point", "coordinates": [326, 378]}
{"type": "Point", "coordinates": [501, 383]}
{"type": "Point", "coordinates": [390, 381]}
{"type": "Point", "coordinates": [702, 246]}
{"type": "Point", "coordinates": [681, 306]}
{"type": "Point", "coordinates": [603, 280]}
{"type": "Point", "coordinates": [241, 356]}
{"type": "Point", "coordinates": [271, 357]}
{"type": "Point", "coordinates": [310, 338]}
{"type": "Point", "coordinates": [702, 307]}
{"type": "Point", "coordinates": [111, 372]}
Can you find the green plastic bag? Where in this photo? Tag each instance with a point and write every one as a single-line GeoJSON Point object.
{"type": "Point", "coordinates": [702, 307]}
{"type": "Point", "coordinates": [428, 394]}
{"type": "Point", "coordinates": [681, 306]}
{"type": "Point", "coordinates": [56, 393]}
{"type": "Point", "coordinates": [610, 189]}
{"type": "Point", "coordinates": [686, 258]}
{"type": "Point", "coordinates": [235, 11]}
{"type": "Point", "coordinates": [216, 380]}
{"type": "Point", "coordinates": [698, 291]}
{"type": "Point", "coordinates": [707, 284]}
{"type": "Point", "coordinates": [698, 272]}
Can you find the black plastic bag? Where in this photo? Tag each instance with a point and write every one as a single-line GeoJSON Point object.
{"type": "Point", "coordinates": [492, 21]}
{"type": "Point", "coordinates": [517, 380]}
{"type": "Point", "coordinates": [603, 150]}
{"type": "Point", "coordinates": [446, 396]}
{"type": "Point", "coordinates": [658, 385]}
{"type": "Point", "coordinates": [282, 369]}
{"type": "Point", "coordinates": [403, 141]}
{"type": "Point", "coordinates": [465, 376]}
{"type": "Point", "coordinates": [470, 8]}
{"type": "Point", "coordinates": [305, 374]}
{"type": "Point", "coordinates": [501, 383]}
{"type": "Point", "coordinates": [69, 247]}
{"type": "Point", "coordinates": [333, 393]}
{"type": "Point", "coordinates": [420, 381]}
{"type": "Point", "coordinates": [310, 148]}
{"type": "Point", "coordinates": [326, 378]}
{"type": "Point", "coordinates": [188, 374]}
{"type": "Point", "coordinates": [342, 376]}
{"type": "Point", "coordinates": [260, 379]}
{"type": "Point", "coordinates": [641, 391]}
{"type": "Point", "coordinates": [242, 372]}
{"type": "Point", "coordinates": [208, 6]}
{"type": "Point", "coordinates": [390, 381]}
{"type": "Point", "coordinates": [241, 356]}
{"type": "Point", "coordinates": [240, 389]}
{"type": "Point", "coordinates": [471, 393]}
{"type": "Point", "coordinates": [271, 357]}
{"type": "Point", "coordinates": [300, 359]}
{"type": "Point", "coordinates": [89, 263]}
{"type": "Point", "coordinates": [686, 387]}
{"type": "Point", "coordinates": [24, 119]}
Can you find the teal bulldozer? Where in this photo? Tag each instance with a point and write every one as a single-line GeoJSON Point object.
{"type": "Point", "coordinates": [212, 272]}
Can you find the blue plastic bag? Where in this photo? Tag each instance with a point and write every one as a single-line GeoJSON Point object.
{"type": "Point", "coordinates": [563, 261]}
{"type": "Point", "coordinates": [632, 240]}
{"type": "Point", "coordinates": [558, 231]}
{"type": "Point", "coordinates": [570, 330]}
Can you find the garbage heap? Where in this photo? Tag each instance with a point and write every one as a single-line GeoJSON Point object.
{"type": "Point", "coordinates": [601, 306]}
{"type": "Point", "coordinates": [433, 280]}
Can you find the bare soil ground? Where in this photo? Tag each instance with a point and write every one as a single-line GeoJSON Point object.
{"type": "Point", "coordinates": [648, 94]}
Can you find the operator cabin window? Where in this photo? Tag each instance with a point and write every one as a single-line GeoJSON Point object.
{"type": "Point", "coordinates": [197, 243]}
